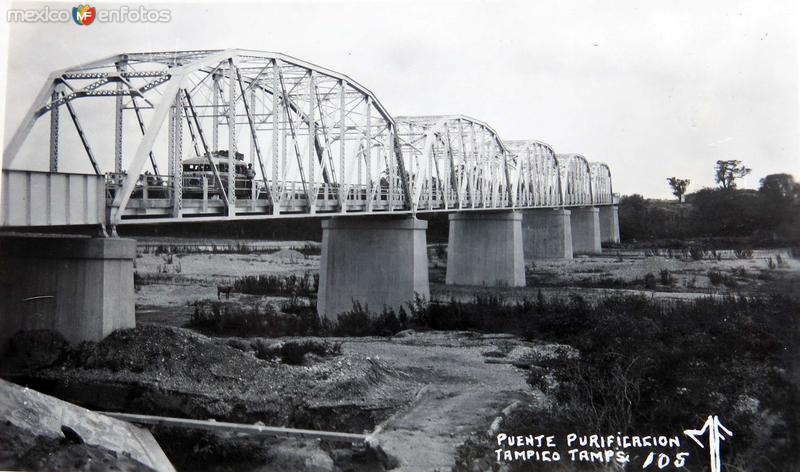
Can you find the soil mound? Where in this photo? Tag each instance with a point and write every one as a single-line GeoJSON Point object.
{"type": "Point", "coordinates": [171, 371]}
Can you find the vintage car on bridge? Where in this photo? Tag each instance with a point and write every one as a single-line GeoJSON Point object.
{"type": "Point", "coordinates": [197, 169]}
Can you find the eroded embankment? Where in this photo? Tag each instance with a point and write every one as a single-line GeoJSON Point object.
{"type": "Point", "coordinates": [428, 391]}
{"type": "Point", "coordinates": [173, 371]}
{"type": "Point", "coordinates": [176, 372]}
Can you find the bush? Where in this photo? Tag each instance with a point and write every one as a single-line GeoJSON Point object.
{"type": "Point", "coordinates": [716, 278]}
{"type": "Point", "coordinates": [697, 254]}
{"type": "Point", "coordinates": [294, 353]}
{"type": "Point", "coordinates": [650, 281]}
{"type": "Point", "coordinates": [666, 277]}
{"type": "Point", "coordinates": [218, 318]}
{"type": "Point", "coordinates": [651, 366]}
{"type": "Point", "coordinates": [35, 349]}
{"type": "Point", "coordinates": [276, 285]}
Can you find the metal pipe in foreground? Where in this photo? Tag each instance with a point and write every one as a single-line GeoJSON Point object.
{"type": "Point", "coordinates": [256, 430]}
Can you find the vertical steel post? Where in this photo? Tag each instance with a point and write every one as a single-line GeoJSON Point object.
{"type": "Point", "coordinates": [121, 67]}
{"type": "Point", "coordinates": [215, 113]}
{"type": "Point", "coordinates": [389, 149]}
{"type": "Point", "coordinates": [368, 154]}
{"type": "Point", "coordinates": [312, 135]}
{"type": "Point", "coordinates": [276, 123]}
{"type": "Point", "coordinates": [175, 153]}
{"type": "Point", "coordinates": [231, 138]}
{"type": "Point", "coordinates": [54, 128]}
{"type": "Point", "coordinates": [252, 138]}
{"type": "Point", "coordinates": [342, 130]}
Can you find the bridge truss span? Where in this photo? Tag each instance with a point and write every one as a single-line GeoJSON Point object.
{"type": "Point", "coordinates": [454, 162]}
{"type": "Point", "coordinates": [315, 139]}
{"type": "Point", "coordinates": [602, 191]}
{"type": "Point", "coordinates": [224, 134]}
{"type": "Point", "coordinates": [537, 175]}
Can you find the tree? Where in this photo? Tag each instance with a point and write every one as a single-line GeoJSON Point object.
{"type": "Point", "coordinates": [780, 204]}
{"type": "Point", "coordinates": [780, 187]}
{"type": "Point", "coordinates": [678, 187]}
{"type": "Point", "coordinates": [728, 171]}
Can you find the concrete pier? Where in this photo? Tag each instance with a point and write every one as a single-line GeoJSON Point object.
{"type": "Point", "coordinates": [376, 260]}
{"type": "Point", "coordinates": [485, 248]}
{"type": "Point", "coordinates": [547, 234]}
{"type": "Point", "coordinates": [80, 287]}
{"type": "Point", "coordinates": [585, 224]}
{"type": "Point", "coordinates": [609, 224]}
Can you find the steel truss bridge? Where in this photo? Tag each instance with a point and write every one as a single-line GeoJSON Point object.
{"type": "Point", "coordinates": [318, 142]}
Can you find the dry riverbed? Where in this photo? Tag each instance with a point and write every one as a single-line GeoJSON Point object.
{"type": "Point", "coordinates": [420, 394]}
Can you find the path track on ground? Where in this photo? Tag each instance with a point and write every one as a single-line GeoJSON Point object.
{"type": "Point", "coordinates": [463, 394]}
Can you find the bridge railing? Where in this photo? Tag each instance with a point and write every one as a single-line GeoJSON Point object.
{"type": "Point", "coordinates": [200, 195]}
{"type": "Point", "coordinates": [33, 198]}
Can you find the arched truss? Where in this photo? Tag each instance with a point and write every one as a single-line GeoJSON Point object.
{"type": "Point", "coordinates": [576, 180]}
{"type": "Point", "coordinates": [454, 162]}
{"type": "Point", "coordinates": [317, 140]}
{"type": "Point", "coordinates": [602, 193]}
{"type": "Point", "coordinates": [536, 175]}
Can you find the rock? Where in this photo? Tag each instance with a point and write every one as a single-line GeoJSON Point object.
{"type": "Point", "coordinates": [51, 434]}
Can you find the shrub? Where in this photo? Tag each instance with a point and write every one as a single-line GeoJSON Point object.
{"type": "Point", "coordinates": [214, 317]}
{"type": "Point", "coordinates": [290, 285]}
{"type": "Point", "coordinates": [697, 253]}
{"type": "Point", "coordinates": [650, 281]}
{"type": "Point", "coordinates": [646, 365]}
{"type": "Point", "coordinates": [310, 250]}
{"type": "Point", "coordinates": [716, 278]}
{"type": "Point", "coordinates": [355, 322]}
{"type": "Point", "coordinates": [294, 353]}
{"type": "Point", "coordinates": [666, 277]}
{"type": "Point", "coordinates": [743, 253]}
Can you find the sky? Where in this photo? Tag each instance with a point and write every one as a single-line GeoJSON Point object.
{"type": "Point", "coordinates": [654, 89]}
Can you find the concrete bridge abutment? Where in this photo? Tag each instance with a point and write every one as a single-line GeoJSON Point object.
{"type": "Point", "coordinates": [585, 222]}
{"type": "Point", "coordinates": [378, 261]}
{"type": "Point", "coordinates": [485, 248]}
{"type": "Point", "coordinates": [609, 224]}
{"type": "Point", "coordinates": [79, 287]}
{"type": "Point", "coordinates": [547, 234]}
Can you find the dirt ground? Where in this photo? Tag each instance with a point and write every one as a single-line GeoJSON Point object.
{"type": "Point", "coordinates": [171, 284]}
{"type": "Point", "coordinates": [462, 393]}
{"type": "Point", "coordinates": [420, 394]}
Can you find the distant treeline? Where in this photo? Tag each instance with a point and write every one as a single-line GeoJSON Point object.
{"type": "Point", "coordinates": [756, 216]}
